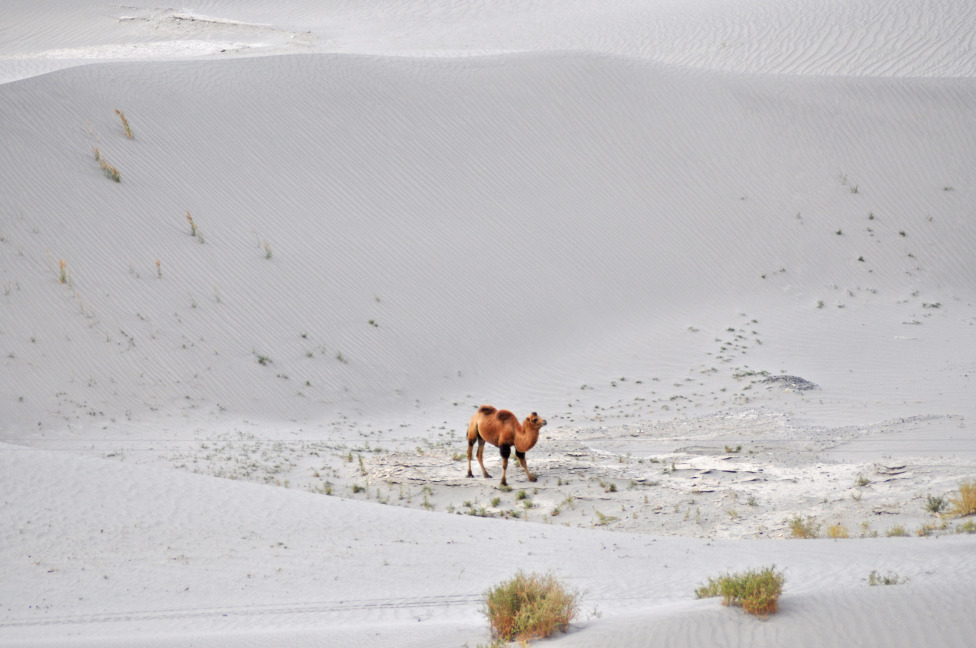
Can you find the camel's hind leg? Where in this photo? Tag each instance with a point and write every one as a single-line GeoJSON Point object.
{"type": "Point", "coordinates": [471, 441]}
{"type": "Point", "coordinates": [521, 459]}
{"type": "Point", "coordinates": [481, 455]}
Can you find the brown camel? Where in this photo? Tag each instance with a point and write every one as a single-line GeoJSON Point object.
{"type": "Point", "coordinates": [501, 428]}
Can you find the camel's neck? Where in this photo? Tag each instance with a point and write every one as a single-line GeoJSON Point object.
{"type": "Point", "coordinates": [526, 436]}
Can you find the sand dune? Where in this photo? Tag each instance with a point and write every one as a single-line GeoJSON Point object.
{"type": "Point", "coordinates": [724, 248]}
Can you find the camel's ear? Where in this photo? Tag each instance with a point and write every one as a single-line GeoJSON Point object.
{"type": "Point", "coordinates": [534, 414]}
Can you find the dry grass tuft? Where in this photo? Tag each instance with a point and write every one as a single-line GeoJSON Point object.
{"type": "Point", "coordinates": [107, 168]}
{"type": "Point", "coordinates": [965, 504]}
{"type": "Point", "coordinates": [837, 531]}
{"type": "Point", "coordinates": [756, 591]}
{"type": "Point", "coordinates": [125, 123]}
{"type": "Point", "coordinates": [529, 607]}
{"type": "Point", "coordinates": [803, 528]}
{"type": "Point", "coordinates": [62, 271]}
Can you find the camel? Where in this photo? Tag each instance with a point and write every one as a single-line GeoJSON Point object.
{"type": "Point", "coordinates": [501, 428]}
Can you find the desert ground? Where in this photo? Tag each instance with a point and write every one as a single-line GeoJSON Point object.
{"type": "Point", "coordinates": [261, 262]}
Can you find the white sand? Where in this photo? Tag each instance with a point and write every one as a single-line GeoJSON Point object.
{"type": "Point", "coordinates": [626, 216]}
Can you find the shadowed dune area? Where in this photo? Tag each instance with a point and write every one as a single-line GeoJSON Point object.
{"type": "Point", "coordinates": [724, 249]}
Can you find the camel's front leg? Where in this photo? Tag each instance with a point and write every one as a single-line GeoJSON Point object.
{"type": "Point", "coordinates": [506, 451]}
{"type": "Point", "coordinates": [521, 459]}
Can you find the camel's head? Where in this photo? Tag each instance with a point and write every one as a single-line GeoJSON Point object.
{"type": "Point", "coordinates": [535, 421]}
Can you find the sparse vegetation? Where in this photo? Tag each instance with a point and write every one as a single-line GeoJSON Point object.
{"type": "Point", "coordinates": [967, 527]}
{"type": "Point", "coordinates": [109, 170]}
{"type": "Point", "coordinates": [803, 528]}
{"type": "Point", "coordinates": [529, 606]}
{"type": "Point", "coordinates": [837, 531]}
{"type": "Point", "coordinates": [125, 123]}
{"type": "Point", "coordinates": [193, 226]}
{"type": "Point", "coordinates": [891, 578]}
{"type": "Point", "coordinates": [605, 519]}
{"type": "Point", "coordinates": [62, 271]}
{"type": "Point", "coordinates": [965, 504]}
{"type": "Point", "coordinates": [755, 591]}
{"type": "Point", "coordinates": [935, 504]}
{"type": "Point", "coordinates": [897, 531]}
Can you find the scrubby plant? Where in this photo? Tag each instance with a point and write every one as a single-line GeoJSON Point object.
{"type": "Point", "coordinates": [62, 271]}
{"type": "Point", "coordinates": [837, 531]}
{"type": "Point", "coordinates": [935, 503]}
{"type": "Point", "coordinates": [125, 123]}
{"type": "Point", "coordinates": [109, 170]}
{"type": "Point", "coordinates": [756, 591]}
{"type": "Point", "coordinates": [529, 606]}
{"type": "Point", "coordinates": [193, 226]}
{"type": "Point", "coordinates": [965, 504]}
{"type": "Point", "coordinates": [891, 578]}
{"type": "Point", "coordinates": [967, 527]}
{"type": "Point", "coordinates": [897, 531]}
{"type": "Point", "coordinates": [605, 519]}
{"type": "Point", "coordinates": [803, 528]}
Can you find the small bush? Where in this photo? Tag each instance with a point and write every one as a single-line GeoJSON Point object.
{"type": "Point", "coordinates": [837, 531]}
{"type": "Point", "coordinates": [935, 504]}
{"type": "Point", "coordinates": [529, 606]}
{"type": "Point", "coordinates": [800, 528]}
{"type": "Point", "coordinates": [756, 591]}
{"type": "Point", "coordinates": [891, 578]}
{"type": "Point", "coordinates": [965, 504]}
{"type": "Point", "coordinates": [897, 531]}
{"type": "Point", "coordinates": [967, 527]}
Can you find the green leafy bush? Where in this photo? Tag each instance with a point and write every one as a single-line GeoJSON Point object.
{"type": "Point", "coordinates": [529, 606]}
{"type": "Point", "coordinates": [756, 591]}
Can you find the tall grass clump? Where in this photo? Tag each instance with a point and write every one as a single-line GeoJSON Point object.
{"type": "Point", "coordinates": [965, 504]}
{"type": "Point", "coordinates": [529, 606]}
{"type": "Point", "coordinates": [756, 591]}
{"type": "Point", "coordinates": [125, 123]}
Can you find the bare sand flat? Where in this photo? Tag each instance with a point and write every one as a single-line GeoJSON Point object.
{"type": "Point", "coordinates": [725, 249]}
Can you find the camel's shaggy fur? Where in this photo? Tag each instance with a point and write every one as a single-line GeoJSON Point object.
{"type": "Point", "coordinates": [501, 428]}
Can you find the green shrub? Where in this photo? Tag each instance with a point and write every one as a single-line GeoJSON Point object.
{"type": "Point", "coordinates": [755, 591]}
{"type": "Point", "coordinates": [529, 606]}
{"type": "Point", "coordinates": [935, 504]}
